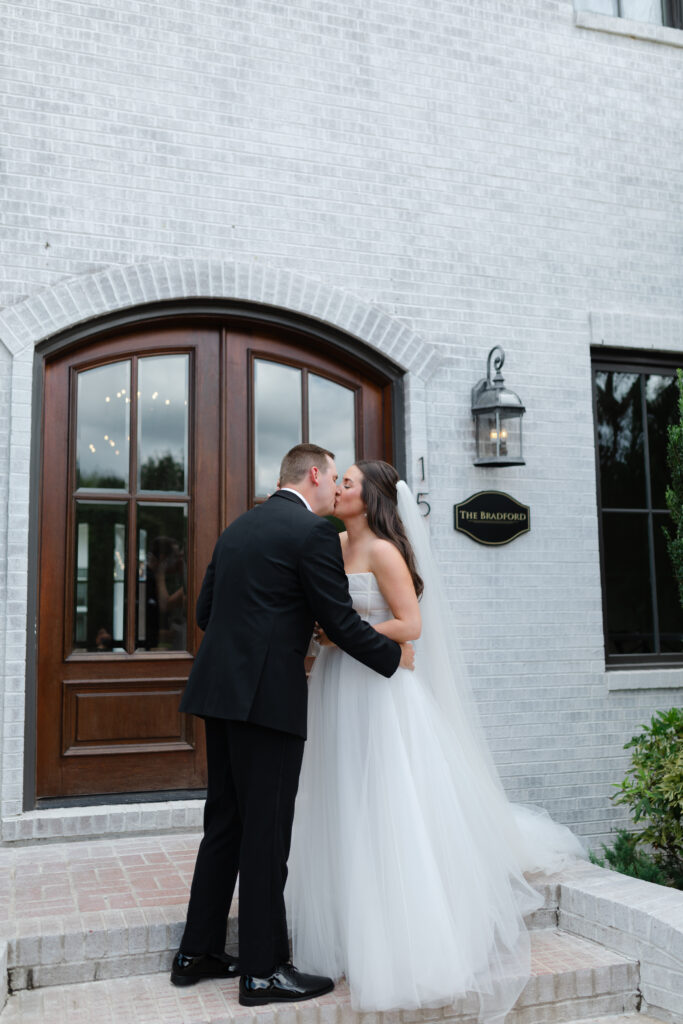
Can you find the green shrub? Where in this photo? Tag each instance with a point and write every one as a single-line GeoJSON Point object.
{"type": "Point", "coordinates": [626, 858]}
{"type": "Point", "coordinates": [653, 791]}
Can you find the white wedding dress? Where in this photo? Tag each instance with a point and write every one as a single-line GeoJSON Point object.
{"type": "Point", "coordinates": [406, 868]}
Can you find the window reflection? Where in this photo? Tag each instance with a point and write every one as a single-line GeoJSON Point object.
{"type": "Point", "coordinates": [643, 613]}
{"type": "Point", "coordinates": [627, 583]}
{"type": "Point", "coordinates": [100, 583]}
{"type": "Point", "coordinates": [102, 434]}
{"type": "Point", "coordinates": [331, 418]}
{"type": "Point", "coordinates": [162, 578]}
{"type": "Point", "coordinates": [162, 423]}
{"type": "Point", "coordinates": [620, 440]}
{"type": "Point", "coordinates": [277, 420]}
{"type": "Point", "coordinates": [668, 600]}
{"type": "Point", "coordinates": [662, 403]}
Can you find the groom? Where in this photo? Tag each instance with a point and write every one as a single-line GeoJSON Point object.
{"type": "Point", "coordinates": [274, 571]}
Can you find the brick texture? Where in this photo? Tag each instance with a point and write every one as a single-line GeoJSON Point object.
{"type": "Point", "coordinates": [433, 178]}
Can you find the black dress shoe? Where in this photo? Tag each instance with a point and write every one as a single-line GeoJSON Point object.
{"type": "Point", "coordinates": [285, 985]}
{"type": "Point", "coordinates": [188, 970]}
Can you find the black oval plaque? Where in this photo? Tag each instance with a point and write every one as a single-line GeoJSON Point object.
{"type": "Point", "coordinates": [492, 517]}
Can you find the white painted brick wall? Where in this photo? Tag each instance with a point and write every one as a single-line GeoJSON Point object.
{"type": "Point", "coordinates": [484, 173]}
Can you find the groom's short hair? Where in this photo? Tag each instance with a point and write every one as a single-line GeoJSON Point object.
{"type": "Point", "coordinates": [300, 459]}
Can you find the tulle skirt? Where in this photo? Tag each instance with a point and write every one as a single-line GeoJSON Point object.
{"type": "Point", "coordinates": [400, 876]}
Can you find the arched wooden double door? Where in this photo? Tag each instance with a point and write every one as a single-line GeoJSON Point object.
{"type": "Point", "coordinates": [153, 440]}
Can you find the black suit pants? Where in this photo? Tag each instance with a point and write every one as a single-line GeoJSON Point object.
{"type": "Point", "coordinates": [253, 776]}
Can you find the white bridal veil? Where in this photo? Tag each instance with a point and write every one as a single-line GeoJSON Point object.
{"type": "Point", "coordinates": [539, 843]}
{"type": "Point", "coordinates": [407, 865]}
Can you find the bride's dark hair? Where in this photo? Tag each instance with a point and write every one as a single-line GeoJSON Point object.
{"type": "Point", "coordinates": [379, 494]}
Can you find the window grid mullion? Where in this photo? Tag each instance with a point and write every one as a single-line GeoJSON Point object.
{"type": "Point", "coordinates": [648, 501]}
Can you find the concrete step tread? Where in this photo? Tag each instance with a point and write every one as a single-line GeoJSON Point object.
{"type": "Point", "coordinates": [582, 978]}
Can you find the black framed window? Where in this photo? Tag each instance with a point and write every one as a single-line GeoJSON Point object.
{"type": "Point", "coordinates": [635, 398]}
{"type": "Point", "coordinates": [654, 12]}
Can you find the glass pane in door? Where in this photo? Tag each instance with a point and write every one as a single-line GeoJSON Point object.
{"type": "Point", "coordinates": [162, 423]}
{"type": "Point", "coordinates": [162, 578]}
{"type": "Point", "coordinates": [102, 433]}
{"type": "Point", "coordinates": [100, 576]}
{"type": "Point", "coordinates": [277, 420]}
{"type": "Point", "coordinates": [332, 419]}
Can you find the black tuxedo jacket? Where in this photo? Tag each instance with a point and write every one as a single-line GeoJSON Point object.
{"type": "Point", "coordinates": [274, 571]}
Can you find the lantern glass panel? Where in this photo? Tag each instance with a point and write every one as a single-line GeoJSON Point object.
{"type": "Point", "coordinates": [510, 436]}
{"type": "Point", "coordinates": [487, 435]}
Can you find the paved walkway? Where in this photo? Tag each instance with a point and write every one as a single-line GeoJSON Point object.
{"type": "Point", "coordinates": [61, 879]}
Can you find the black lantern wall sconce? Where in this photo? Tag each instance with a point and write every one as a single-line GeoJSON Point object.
{"type": "Point", "coordinates": [497, 414]}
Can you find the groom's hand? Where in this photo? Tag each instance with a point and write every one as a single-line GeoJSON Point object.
{"type": "Point", "coordinates": [321, 637]}
{"type": "Point", "coordinates": [407, 656]}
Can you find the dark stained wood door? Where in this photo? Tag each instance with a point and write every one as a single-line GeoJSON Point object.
{"type": "Point", "coordinates": [153, 441]}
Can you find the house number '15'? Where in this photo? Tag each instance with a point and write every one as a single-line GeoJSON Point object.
{"type": "Point", "coordinates": [424, 505]}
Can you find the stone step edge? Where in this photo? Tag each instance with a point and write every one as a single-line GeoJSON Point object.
{"type": "Point", "coordinates": [638, 919]}
{"type": "Point", "coordinates": [147, 933]}
{"type": "Point", "coordinates": [75, 948]}
{"type": "Point", "coordinates": [571, 996]}
{"type": "Point", "coordinates": [75, 970]}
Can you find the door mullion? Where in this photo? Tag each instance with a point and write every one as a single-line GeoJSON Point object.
{"type": "Point", "coordinates": [132, 559]}
{"type": "Point", "coordinates": [304, 406]}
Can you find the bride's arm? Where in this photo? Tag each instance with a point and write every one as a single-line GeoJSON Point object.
{"type": "Point", "coordinates": [396, 583]}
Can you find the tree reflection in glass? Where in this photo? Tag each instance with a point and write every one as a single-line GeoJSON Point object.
{"type": "Point", "coordinates": [620, 439]}
{"type": "Point", "coordinates": [162, 423]}
{"type": "Point", "coordinates": [662, 402]}
{"type": "Point", "coordinates": [102, 432]}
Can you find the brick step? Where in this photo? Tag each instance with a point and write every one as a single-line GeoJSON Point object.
{"type": "Point", "coordinates": [80, 912]}
{"type": "Point", "coordinates": [573, 979]}
{"type": "Point", "coordinates": [621, 1018]}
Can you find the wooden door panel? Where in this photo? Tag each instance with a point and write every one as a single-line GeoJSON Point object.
{"type": "Point", "coordinates": [124, 717]}
{"type": "Point", "coordinates": [107, 719]}
{"type": "Point", "coordinates": [108, 722]}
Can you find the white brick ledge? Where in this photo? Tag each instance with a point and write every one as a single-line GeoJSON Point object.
{"type": "Point", "coordinates": [645, 679]}
{"type": "Point", "coordinates": [77, 300]}
{"type": "Point", "coordinates": [635, 918]}
{"type": "Point", "coordinates": [627, 27]}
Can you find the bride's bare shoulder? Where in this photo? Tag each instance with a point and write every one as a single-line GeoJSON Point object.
{"type": "Point", "coordinates": [384, 555]}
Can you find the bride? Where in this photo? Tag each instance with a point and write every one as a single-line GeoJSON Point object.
{"type": "Point", "coordinates": [407, 861]}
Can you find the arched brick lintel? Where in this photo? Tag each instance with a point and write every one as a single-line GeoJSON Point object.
{"type": "Point", "coordinates": [80, 299]}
